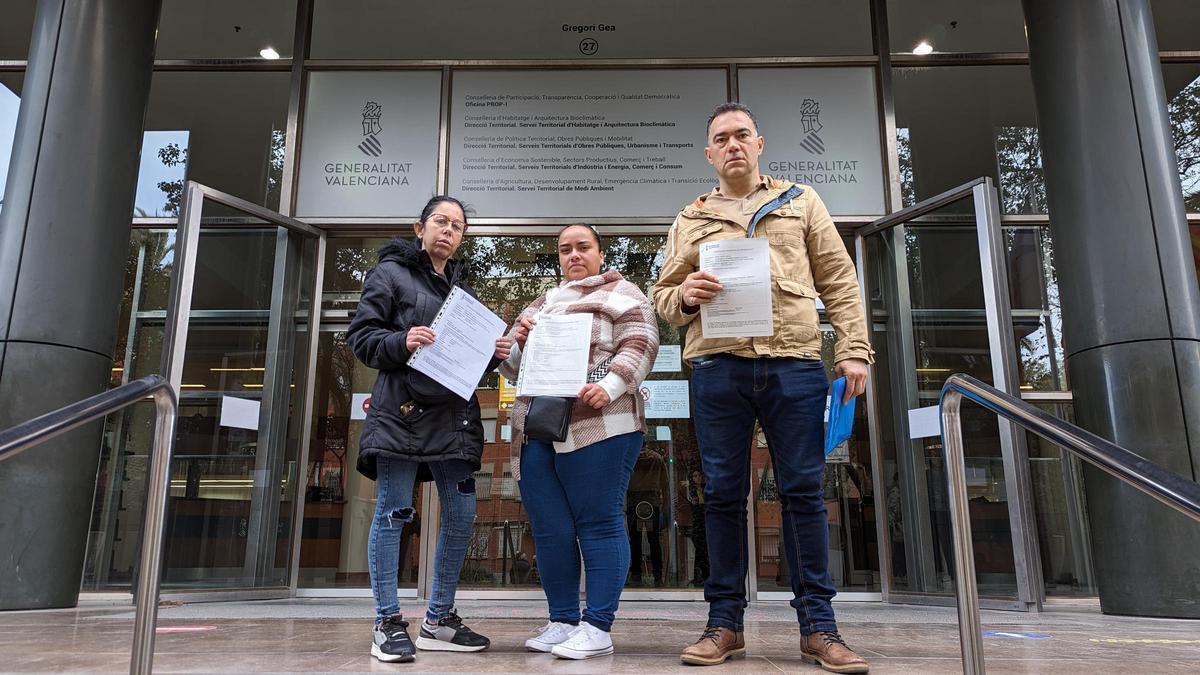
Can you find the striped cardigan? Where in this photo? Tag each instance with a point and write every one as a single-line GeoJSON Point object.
{"type": "Point", "coordinates": [625, 330]}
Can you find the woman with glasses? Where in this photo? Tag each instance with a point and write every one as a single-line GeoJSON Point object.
{"type": "Point", "coordinates": [416, 429]}
{"type": "Point", "coordinates": [574, 490]}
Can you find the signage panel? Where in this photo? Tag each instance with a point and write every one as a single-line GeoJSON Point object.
{"type": "Point", "coordinates": [578, 144]}
{"type": "Point", "coordinates": [370, 144]}
{"type": "Point", "coordinates": [821, 127]}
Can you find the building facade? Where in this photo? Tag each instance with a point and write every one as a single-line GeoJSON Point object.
{"type": "Point", "coordinates": [540, 115]}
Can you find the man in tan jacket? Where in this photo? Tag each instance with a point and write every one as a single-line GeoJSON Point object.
{"type": "Point", "coordinates": [778, 380]}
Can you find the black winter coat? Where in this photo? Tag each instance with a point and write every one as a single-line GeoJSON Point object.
{"type": "Point", "coordinates": [411, 416]}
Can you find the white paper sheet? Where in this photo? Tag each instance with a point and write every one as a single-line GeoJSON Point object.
{"type": "Point", "coordinates": [239, 413]}
{"type": "Point", "coordinates": [466, 333]}
{"type": "Point", "coordinates": [743, 307]}
{"type": "Point", "coordinates": [555, 359]}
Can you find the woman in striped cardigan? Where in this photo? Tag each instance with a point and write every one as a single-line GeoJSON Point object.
{"type": "Point", "coordinates": [574, 491]}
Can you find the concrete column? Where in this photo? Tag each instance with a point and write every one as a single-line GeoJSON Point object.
{"type": "Point", "coordinates": [64, 234]}
{"type": "Point", "coordinates": [1131, 308]}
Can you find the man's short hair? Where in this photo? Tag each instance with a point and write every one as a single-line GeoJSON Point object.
{"type": "Point", "coordinates": [728, 107]}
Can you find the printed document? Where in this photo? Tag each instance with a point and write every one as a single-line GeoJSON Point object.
{"type": "Point", "coordinates": [466, 341]}
{"type": "Point", "coordinates": [555, 359]}
{"type": "Point", "coordinates": [743, 307]}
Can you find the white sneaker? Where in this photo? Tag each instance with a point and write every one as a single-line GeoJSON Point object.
{"type": "Point", "coordinates": [586, 642]}
{"type": "Point", "coordinates": [553, 633]}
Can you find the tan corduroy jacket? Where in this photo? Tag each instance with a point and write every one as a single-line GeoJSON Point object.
{"type": "Point", "coordinates": [808, 260]}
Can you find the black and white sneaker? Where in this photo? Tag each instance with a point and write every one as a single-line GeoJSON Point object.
{"type": "Point", "coordinates": [391, 643]}
{"type": "Point", "coordinates": [450, 635]}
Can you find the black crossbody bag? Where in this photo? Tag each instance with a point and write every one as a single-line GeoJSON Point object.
{"type": "Point", "coordinates": [549, 417]}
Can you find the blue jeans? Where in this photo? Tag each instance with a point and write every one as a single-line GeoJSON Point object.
{"type": "Point", "coordinates": [787, 397]}
{"type": "Point", "coordinates": [576, 502]}
{"type": "Point", "coordinates": [394, 510]}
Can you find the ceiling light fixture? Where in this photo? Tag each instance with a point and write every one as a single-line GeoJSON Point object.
{"type": "Point", "coordinates": [923, 47]}
{"type": "Point", "coordinates": [269, 53]}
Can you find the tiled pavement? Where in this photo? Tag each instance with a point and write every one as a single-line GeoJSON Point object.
{"type": "Point", "coordinates": [333, 635]}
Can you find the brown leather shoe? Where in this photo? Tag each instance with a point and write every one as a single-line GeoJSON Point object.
{"type": "Point", "coordinates": [715, 646]}
{"type": "Point", "coordinates": [829, 651]}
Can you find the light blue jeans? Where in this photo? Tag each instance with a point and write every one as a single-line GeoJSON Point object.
{"type": "Point", "coordinates": [394, 510]}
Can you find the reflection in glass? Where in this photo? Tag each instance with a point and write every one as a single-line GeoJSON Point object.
{"type": "Point", "coordinates": [1183, 110]}
{"type": "Point", "coordinates": [161, 174]}
{"type": "Point", "coordinates": [935, 282]}
{"type": "Point", "coordinates": [233, 269]}
{"type": "Point", "coordinates": [1022, 181]}
{"type": "Point", "coordinates": [340, 502]}
{"type": "Point", "coordinates": [1036, 308]}
{"type": "Point", "coordinates": [1175, 24]}
{"type": "Point", "coordinates": [233, 482]}
{"type": "Point", "coordinates": [10, 104]}
{"type": "Point", "coordinates": [235, 123]}
{"type": "Point", "coordinates": [1194, 231]}
{"type": "Point", "coordinates": [18, 30]}
{"type": "Point", "coordinates": [966, 122]}
{"type": "Point", "coordinates": [1064, 539]}
{"type": "Point", "coordinates": [908, 188]}
{"type": "Point", "coordinates": [850, 504]}
{"type": "Point", "coordinates": [950, 329]}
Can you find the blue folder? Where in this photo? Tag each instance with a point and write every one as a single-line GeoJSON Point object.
{"type": "Point", "coordinates": [841, 416]}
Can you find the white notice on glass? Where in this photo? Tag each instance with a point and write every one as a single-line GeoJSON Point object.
{"type": "Point", "coordinates": [466, 340]}
{"type": "Point", "coordinates": [359, 405]}
{"type": "Point", "coordinates": [665, 399]}
{"type": "Point", "coordinates": [239, 413]}
{"type": "Point", "coordinates": [668, 359]}
{"type": "Point", "coordinates": [555, 359]}
{"type": "Point", "coordinates": [743, 307]}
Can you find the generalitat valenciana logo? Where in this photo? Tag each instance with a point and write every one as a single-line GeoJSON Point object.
{"type": "Point", "coordinates": [372, 112]}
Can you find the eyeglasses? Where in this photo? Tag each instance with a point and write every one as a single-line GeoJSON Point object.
{"type": "Point", "coordinates": [445, 223]}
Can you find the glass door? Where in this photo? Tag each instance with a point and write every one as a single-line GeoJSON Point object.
{"type": "Point", "coordinates": [937, 288]}
{"type": "Point", "coordinates": [223, 307]}
{"type": "Point", "coordinates": [339, 502]}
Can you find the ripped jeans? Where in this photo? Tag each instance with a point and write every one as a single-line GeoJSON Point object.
{"type": "Point", "coordinates": [394, 510]}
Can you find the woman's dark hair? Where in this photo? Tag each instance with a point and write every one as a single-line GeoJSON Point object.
{"type": "Point", "coordinates": [589, 228]}
{"type": "Point", "coordinates": [438, 199]}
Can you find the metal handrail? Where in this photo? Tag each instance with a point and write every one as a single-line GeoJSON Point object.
{"type": "Point", "coordinates": [1166, 486]}
{"type": "Point", "coordinates": [17, 439]}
